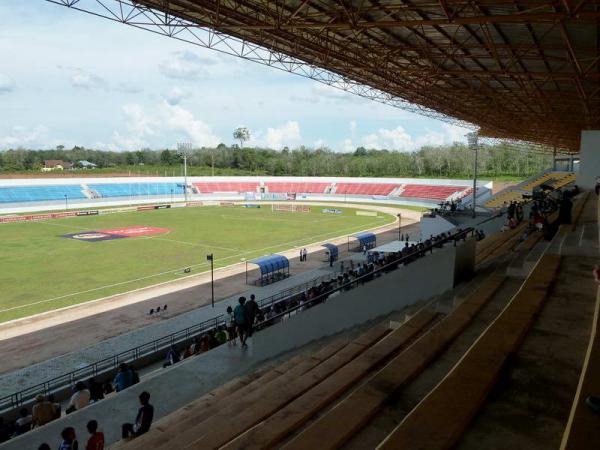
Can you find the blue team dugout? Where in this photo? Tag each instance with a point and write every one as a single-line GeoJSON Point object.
{"type": "Point", "coordinates": [333, 251]}
{"type": "Point", "coordinates": [364, 239]}
{"type": "Point", "coordinates": [272, 268]}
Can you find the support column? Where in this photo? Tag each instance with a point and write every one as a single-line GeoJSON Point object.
{"type": "Point", "coordinates": [589, 159]}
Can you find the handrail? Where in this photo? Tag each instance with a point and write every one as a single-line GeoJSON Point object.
{"type": "Point", "coordinates": [13, 401]}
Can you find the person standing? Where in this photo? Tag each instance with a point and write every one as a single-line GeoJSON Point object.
{"type": "Point", "coordinates": [231, 338]}
{"type": "Point", "coordinates": [251, 312]}
{"type": "Point", "coordinates": [301, 255]}
{"type": "Point", "coordinates": [241, 320]}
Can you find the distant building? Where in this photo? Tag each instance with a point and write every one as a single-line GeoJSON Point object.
{"type": "Point", "coordinates": [86, 164]}
{"type": "Point", "coordinates": [56, 164]}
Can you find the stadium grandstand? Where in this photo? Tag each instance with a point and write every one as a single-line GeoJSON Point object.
{"type": "Point", "coordinates": [474, 327]}
{"type": "Point", "coordinates": [84, 192]}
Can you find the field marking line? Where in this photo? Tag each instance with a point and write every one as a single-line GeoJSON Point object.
{"type": "Point", "coordinates": [188, 243]}
{"type": "Point", "coordinates": [174, 271]}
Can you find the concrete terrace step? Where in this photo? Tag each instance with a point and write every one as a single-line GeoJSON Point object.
{"type": "Point", "coordinates": [440, 419]}
{"type": "Point", "coordinates": [229, 423]}
{"type": "Point", "coordinates": [344, 420]}
{"type": "Point", "coordinates": [273, 430]}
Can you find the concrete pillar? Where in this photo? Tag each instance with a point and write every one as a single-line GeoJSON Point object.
{"type": "Point", "coordinates": [589, 162]}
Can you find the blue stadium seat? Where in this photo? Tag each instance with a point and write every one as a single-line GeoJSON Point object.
{"type": "Point", "coordinates": [19, 194]}
{"type": "Point", "coordinates": [136, 189]}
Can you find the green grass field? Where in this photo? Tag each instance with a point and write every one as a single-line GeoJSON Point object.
{"type": "Point", "coordinates": [40, 270]}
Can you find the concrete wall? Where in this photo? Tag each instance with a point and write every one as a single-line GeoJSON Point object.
{"type": "Point", "coordinates": [589, 166]}
{"type": "Point", "coordinates": [423, 279]}
{"type": "Point", "coordinates": [434, 225]}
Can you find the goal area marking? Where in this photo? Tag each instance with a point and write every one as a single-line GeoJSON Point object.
{"type": "Point", "coordinates": [290, 208]}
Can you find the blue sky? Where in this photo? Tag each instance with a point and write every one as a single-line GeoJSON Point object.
{"type": "Point", "coordinates": [73, 79]}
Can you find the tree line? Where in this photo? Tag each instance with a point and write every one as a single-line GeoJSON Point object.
{"type": "Point", "coordinates": [448, 161]}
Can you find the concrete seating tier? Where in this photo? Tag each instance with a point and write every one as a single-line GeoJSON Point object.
{"type": "Point", "coordinates": [19, 194]}
{"type": "Point", "coordinates": [498, 243]}
{"type": "Point", "coordinates": [441, 417]}
{"type": "Point", "coordinates": [365, 188]}
{"type": "Point", "coordinates": [305, 188]}
{"type": "Point", "coordinates": [226, 186]}
{"type": "Point", "coordinates": [430, 192]}
{"type": "Point", "coordinates": [565, 180]}
{"type": "Point", "coordinates": [339, 424]}
{"type": "Point", "coordinates": [274, 429]}
{"type": "Point", "coordinates": [504, 197]}
{"type": "Point", "coordinates": [214, 423]}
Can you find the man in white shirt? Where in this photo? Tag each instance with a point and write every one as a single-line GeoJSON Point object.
{"type": "Point", "coordinates": [81, 398]}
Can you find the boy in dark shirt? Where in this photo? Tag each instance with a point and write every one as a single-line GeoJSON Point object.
{"type": "Point", "coordinates": [143, 420]}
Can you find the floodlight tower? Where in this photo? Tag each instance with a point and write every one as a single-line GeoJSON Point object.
{"type": "Point", "coordinates": [184, 148]}
{"type": "Point", "coordinates": [473, 141]}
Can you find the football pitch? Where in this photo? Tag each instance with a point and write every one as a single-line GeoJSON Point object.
{"type": "Point", "coordinates": [55, 263]}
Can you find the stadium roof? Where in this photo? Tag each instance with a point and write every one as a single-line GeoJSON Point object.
{"type": "Point", "coordinates": [527, 70]}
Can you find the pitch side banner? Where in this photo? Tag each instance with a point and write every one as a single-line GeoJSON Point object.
{"type": "Point", "coordinates": [152, 207]}
{"type": "Point", "coordinates": [331, 211]}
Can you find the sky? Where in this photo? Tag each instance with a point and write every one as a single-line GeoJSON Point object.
{"type": "Point", "coordinates": [69, 78]}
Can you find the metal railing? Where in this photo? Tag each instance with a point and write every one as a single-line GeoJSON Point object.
{"type": "Point", "coordinates": [130, 356]}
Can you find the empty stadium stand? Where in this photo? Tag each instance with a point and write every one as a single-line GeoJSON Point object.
{"type": "Point", "coordinates": [430, 192]}
{"type": "Point", "coordinates": [440, 419]}
{"type": "Point", "coordinates": [307, 188]}
{"type": "Point", "coordinates": [19, 194]}
{"type": "Point", "coordinates": [506, 196]}
{"type": "Point", "coordinates": [365, 188]}
{"type": "Point", "coordinates": [226, 186]}
{"type": "Point", "coordinates": [556, 180]}
{"type": "Point", "coordinates": [136, 189]}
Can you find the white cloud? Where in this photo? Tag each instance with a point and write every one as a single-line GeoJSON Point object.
{"type": "Point", "coordinates": [399, 139]}
{"type": "Point", "coordinates": [347, 146]}
{"type": "Point", "coordinates": [85, 80]}
{"type": "Point", "coordinates": [287, 135]}
{"type": "Point", "coordinates": [181, 119]}
{"type": "Point", "coordinates": [22, 136]}
{"type": "Point", "coordinates": [319, 143]}
{"type": "Point", "coordinates": [186, 65]}
{"type": "Point", "coordinates": [175, 96]}
{"type": "Point", "coordinates": [142, 127]}
{"type": "Point", "coordinates": [6, 84]}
